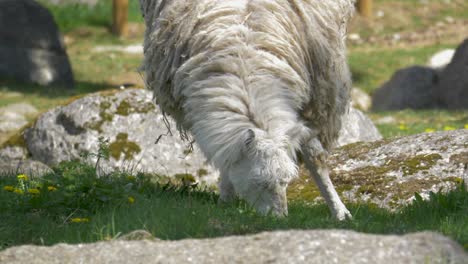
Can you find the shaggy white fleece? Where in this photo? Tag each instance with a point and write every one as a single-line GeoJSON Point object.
{"type": "Point", "coordinates": [254, 82]}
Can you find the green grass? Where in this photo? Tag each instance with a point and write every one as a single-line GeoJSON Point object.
{"type": "Point", "coordinates": [410, 122]}
{"type": "Point", "coordinates": [72, 16]}
{"type": "Point", "coordinates": [173, 211]}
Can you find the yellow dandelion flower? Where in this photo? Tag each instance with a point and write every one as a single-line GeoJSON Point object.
{"type": "Point", "coordinates": [34, 191]}
{"type": "Point", "coordinates": [466, 126]}
{"type": "Point", "coordinates": [9, 188]}
{"type": "Point", "coordinates": [131, 199]}
{"type": "Point", "coordinates": [79, 220]}
{"type": "Point", "coordinates": [23, 177]}
{"type": "Point", "coordinates": [448, 128]}
{"type": "Point", "coordinates": [51, 188]}
{"type": "Point", "coordinates": [429, 130]}
{"type": "Point", "coordinates": [18, 191]}
{"type": "Point", "coordinates": [403, 127]}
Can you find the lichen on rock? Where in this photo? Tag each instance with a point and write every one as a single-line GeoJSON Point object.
{"type": "Point", "coordinates": [122, 146]}
{"type": "Point", "coordinates": [388, 172]}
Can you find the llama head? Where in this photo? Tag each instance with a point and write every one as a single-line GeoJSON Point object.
{"type": "Point", "coordinates": [263, 172]}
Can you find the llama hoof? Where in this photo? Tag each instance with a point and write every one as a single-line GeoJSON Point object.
{"type": "Point", "coordinates": [343, 214]}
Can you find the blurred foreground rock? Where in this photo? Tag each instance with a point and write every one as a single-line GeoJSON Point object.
{"type": "Point", "coordinates": [315, 246]}
{"type": "Point", "coordinates": [31, 48]}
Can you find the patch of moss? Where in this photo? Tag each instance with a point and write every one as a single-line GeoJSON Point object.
{"type": "Point", "coordinates": [366, 189]}
{"type": "Point", "coordinates": [17, 140]}
{"type": "Point", "coordinates": [104, 117]}
{"type": "Point", "coordinates": [456, 180]}
{"type": "Point", "coordinates": [406, 189]}
{"type": "Point", "coordinates": [303, 188]}
{"type": "Point", "coordinates": [375, 180]}
{"type": "Point", "coordinates": [185, 178]}
{"type": "Point", "coordinates": [355, 150]}
{"type": "Point", "coordinates": [460, 158]}
{"type": "Point", "coordinates": [122, 146]}
{"type": "Point", "coordinates": [419, 163]}
{"type": "Point", "coordinates": [202, 172]}
{"type": "Point", "coordinates": [125, 108]}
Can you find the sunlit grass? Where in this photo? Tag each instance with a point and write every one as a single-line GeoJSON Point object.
{"type": "Point", "coordinates": [409, 122]}
{"type": "Point", "coordinates": [72, 16]}
{"type": "Point", "coordinates": [72, 205]}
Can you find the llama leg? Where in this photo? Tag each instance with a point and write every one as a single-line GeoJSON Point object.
{"type": "Point", "coordinates": [226, 189]}
{"type": "Point", "coordinates": [314, 159]}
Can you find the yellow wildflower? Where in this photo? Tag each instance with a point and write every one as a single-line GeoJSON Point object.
{"type": "Point", "coordinates": [403, 127]}
{"type": "Point", "coordinates": [34, 191]}
{"type": "Point", "coordinates": [429, 130]}
{"type": "Point", "coordinates": [23, 177]}
{"type": "Point", "coordinates": [448, 128]}
{"type": "Point", "coordinates": [131, 199]}
{"type": "Point", "coordinates": [9, 188]}
{"type": "Point", "coordinates": [466, 126]}
{"type": "Point", "coordinates": [51, 188]}
{"type": "Point", "coordinates": [18, 191]}
{"type": "Point", "coordinates": [79, 220]}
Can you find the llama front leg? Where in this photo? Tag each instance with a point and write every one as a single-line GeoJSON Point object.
{"type": "Point", "coordinates": [314, 159]}
{"type": "Point", "coordinates": [226, 189]}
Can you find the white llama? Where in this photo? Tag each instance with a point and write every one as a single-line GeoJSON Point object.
{"type": "Point", "coordinates": [254, 82]}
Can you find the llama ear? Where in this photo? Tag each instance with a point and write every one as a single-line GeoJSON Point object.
{"type": "Point", "coordinates": [249, 138]}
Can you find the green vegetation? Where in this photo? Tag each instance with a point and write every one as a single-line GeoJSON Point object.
{"type": "Point", "coordinates": [72, 16]}
{"type": "Point", "coordinates": [410, 122]}
{"type": "Point", "coordinates": [73, 205]}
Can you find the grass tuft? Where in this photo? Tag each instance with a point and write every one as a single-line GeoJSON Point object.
{"type": "Point", "coordinates": [73, 205]}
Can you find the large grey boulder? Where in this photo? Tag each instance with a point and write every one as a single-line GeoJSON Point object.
{"type": "Point", "coordinates": [139, 138]}
{"type": "Point", "coordinates": [315, 246]}
{"type": "Point", "coordinates": [408, 88]}
{"type": "Point", "coordinates": [357, 127]}
{"type": "Point", "coordinates": [31, 47]}
{"type": "Point", "coordinates": [133, 124]}
{"type": "Point", "coordinates": [388, 172]}
{"type": "Point", "coordinates": [452, 88]}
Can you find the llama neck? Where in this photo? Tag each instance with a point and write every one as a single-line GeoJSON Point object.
{"type": "Point", "coordinates": [220, 108]}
